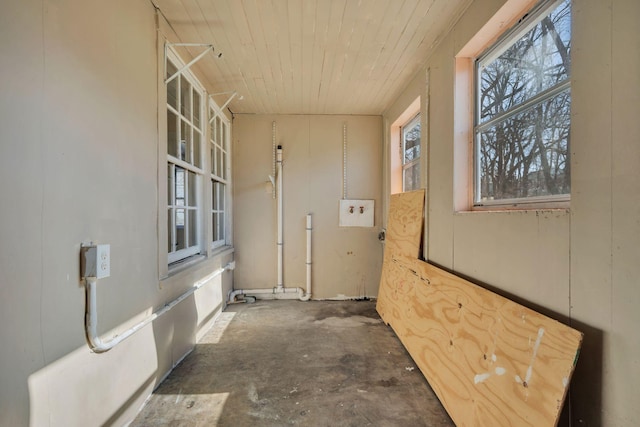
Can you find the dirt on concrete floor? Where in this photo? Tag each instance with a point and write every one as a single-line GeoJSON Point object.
{"type": "Point", "coordinates": [277, 363]}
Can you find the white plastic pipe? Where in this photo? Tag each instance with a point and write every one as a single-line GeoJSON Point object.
{"type": "Point", "coordinates": [280, 243]}
{"type": "Point", "coordinates": [98, 345]}
{"type": "Point", "coordinates": [308, 295]}
{"type": "Point", "coordinates": [270, 293]}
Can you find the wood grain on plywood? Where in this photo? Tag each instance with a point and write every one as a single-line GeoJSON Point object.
{"type": "Point", "coordinates": [404, 225]}
{"type": "Point", "coordinates": [490, 360]}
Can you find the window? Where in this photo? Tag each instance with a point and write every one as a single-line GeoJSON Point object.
{"type": "Point", "coordinates": [184, 163]}
{"type": "Point", "coordinates": [218, 139]}
{"type": "Point", "coordinates": [522, 114]}
{"type": "Point", "coordinates": [411, 154]}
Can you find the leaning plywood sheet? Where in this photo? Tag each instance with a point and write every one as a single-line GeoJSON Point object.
{"type": "Point", "coordinates": [491, 361]}
{"type": "Point", "coordinates": [404, 225]}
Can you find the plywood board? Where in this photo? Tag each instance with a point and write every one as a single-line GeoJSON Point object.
{"type": "Point", "coordinates": [491, 361]}
{"type": "Point", "coordinates": [404, 224]}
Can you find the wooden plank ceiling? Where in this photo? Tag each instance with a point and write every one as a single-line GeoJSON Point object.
{"type": "Point", "coordinates": [311, 56]}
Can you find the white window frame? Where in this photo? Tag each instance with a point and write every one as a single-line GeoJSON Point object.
{"type": "Point", "coordinates": [404, 129]}
{"type": "Point", "coordinates": [536, 15]}
{"type": "Point", "coordinates": [220, 175]}
{"type": "Point", "coordinates": [173, 162]}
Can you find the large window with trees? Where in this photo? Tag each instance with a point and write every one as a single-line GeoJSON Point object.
{"type": "Point", "coordinates": [522, 115]}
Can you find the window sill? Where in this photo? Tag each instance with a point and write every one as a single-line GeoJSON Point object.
{"type": "Point", "coordinates": [194, 260]}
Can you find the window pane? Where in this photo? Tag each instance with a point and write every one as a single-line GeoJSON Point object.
{"type": "Point", "coordinates": [411, 143]}
{"type": "Point", "coordinates": [527, 155]}
{"type": "Point", "coordinates": [172, 134]}
{"type": "Point", "coordinates": [193, 227]}
{"type": "Point", "coordinates": [214, 225]}
{"type": "Point", "coordinates": [537, 61]}
{"type": "Point", "coordinates": [213, 159]}
{"type": "Point", "coordinates": [218, 138]}
{"type": "Point", "coordinates": [411, 177]}
{"type": "Point", "coordinates": [169, 229]}
{"type": "Point", "coordinates": [172, 86]}
{"type": "Point", "coordinates": [169, 185]}
{"type": "Point", "coordinates": [214, 195]}
{"type": "Point", "coordinates": [180, 236]}
{"type": "Point", "coordinates": [179, 185]}
{"type": "Point", "coordinates": [185, 141]}
{"type": "Point", "coordinates": [185, 98]}
{"type": "Point", "coordinates": [218, 171]}
{"type": "Point", "coordinates": [197, 158]}
{"type": "Point", "coordinates": [196, 108]}
{"type": "Point", "coordinates": [192, 187]}
{"type": "Point", "coordinates": [220, 226]}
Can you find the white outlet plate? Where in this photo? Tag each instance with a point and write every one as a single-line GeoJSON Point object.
{"type": "Point", "coordinates": [356, 213]}
{"type": "Point", "coordinates": [96, 261]}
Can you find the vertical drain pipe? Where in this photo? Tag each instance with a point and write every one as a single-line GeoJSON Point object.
{"type": "Point", "coordinates": [280, 243]}
{"type": "Point", "coordinates": [308, 295]}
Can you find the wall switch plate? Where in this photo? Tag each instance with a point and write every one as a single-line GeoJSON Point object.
{"type": "Point", "coordinates": [95, 261]}
{"type": "Point", "coordinates": [356, 213]}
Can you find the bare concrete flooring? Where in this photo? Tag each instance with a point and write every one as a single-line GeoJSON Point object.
{"type": "Point", "coordinates": [277, 363]}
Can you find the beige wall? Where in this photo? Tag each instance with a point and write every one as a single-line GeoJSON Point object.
{"type": "Point", "coordinates": [579, 264]}
{"type": "Point", "coordinates": [78, 162]}
{"type": "Point", "coordinates": [346, 261]}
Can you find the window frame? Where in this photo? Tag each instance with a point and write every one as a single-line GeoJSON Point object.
{"type": "Point", "coordinates": [530, 19]}
{"type": "Point", "coordinates": [177, 257]}
{"type": "Point", "coordinates": [219, 143]}
{"type": "Point", "coordinates": [404, 129]}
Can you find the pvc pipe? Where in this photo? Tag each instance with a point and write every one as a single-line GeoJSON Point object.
{"type": "Point", "coordinates": [308, 295]}
{"type": "Point", "coordinates": [279, 243]}
{"type": "Point", "coordinates": [270, 293]}
{"type": "Point", "coordinates": [98, 345]}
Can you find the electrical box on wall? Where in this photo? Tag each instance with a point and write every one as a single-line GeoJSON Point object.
{"type": "Point", "coordinates": [356, 213]}
{"type": "Point", "coordinates": [95, 261]}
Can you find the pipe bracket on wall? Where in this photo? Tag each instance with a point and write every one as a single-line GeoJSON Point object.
{"type": "Point", "coordinates": [208, 48]}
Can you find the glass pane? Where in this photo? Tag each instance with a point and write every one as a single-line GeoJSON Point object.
{"type": "Point", "coordinates": [185, 141]}
{"type": "Point", "coordinates": [169, 230]}
{"type": "Point", "coordinates": [185, 98]}
{"type": "Point", "coordinates": [179, 185]}
{"type": "Point", "coordinates": [411, 141]}
{"type": "Point", "coordinates": [218, 131]}
{"type": "Point", "coordinates": [214, 195]}
{"type": "Point", "coordinates": [172, 86]}
{"type": "Point", "coordinates": [537, 61]}
{"type": "Point", "coordinates": [212, 129]}
{"type": "Point", "coordinates": [218, 171]}
{"type": "Point", "coordinates": [193, 227]}
{"type": "Point", "coordinates": [221, 196]}
{"type": "Point", "coordinates": [221, 226]}
{"type": "Point", "coordinates": [172, 134]}
{"type": "Point", "coordinates": [192, 190]}
{"type": "Point", "coordinates": [180, 236]}
{"type": "Point", "coordinates": [196, 108]}
{"type": "Point", "coordinates": [197, 157]}
{"type": "Point", "coordinates": [213, 159]}
{"type": "Point", "coordinates": [169, 185]}
{"type": "Point", "coordinates": [411, 177]}
{"type": "Point", "coordinates": [527, 155]}
{"type": "Point", "coordinates": [214, 226]}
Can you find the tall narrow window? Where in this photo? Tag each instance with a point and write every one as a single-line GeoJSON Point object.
{"type": "Point", "coordinates": [184, 163]}
{"type": "Point", "coordinates": [218, 139]}
{"type": "Point", "coordinates": [522, 119]}
{"type": "Point", "coordinates": [411, 154]}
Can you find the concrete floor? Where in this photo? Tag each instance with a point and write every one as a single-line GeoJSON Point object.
{"type": "Point", "coordinates": [276, 363]}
